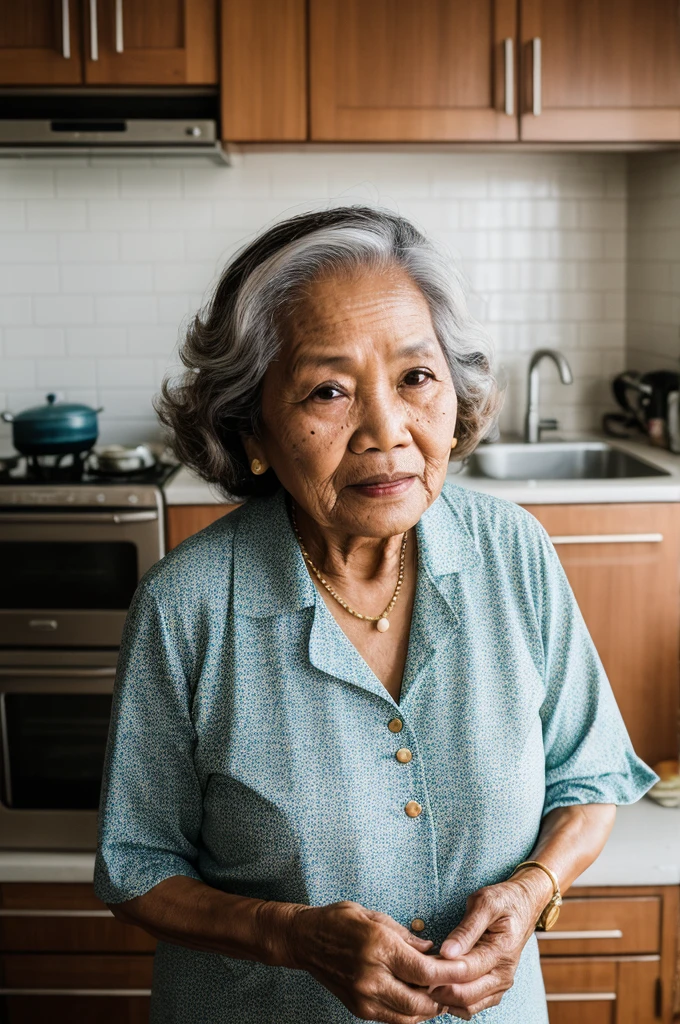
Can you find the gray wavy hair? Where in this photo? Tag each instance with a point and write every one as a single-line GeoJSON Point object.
{"type": "Point", "coordinates": [230, 343]}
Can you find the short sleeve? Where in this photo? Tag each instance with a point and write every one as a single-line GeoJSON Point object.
{"type": "Point", "coordinates": [151, 803]}
{"type": "Point", "coordinates": [589, 757]}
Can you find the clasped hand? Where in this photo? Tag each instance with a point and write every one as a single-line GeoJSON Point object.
{"type": "Point", "coordinates": [382, 972]}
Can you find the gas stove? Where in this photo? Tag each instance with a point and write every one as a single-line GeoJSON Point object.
{"type": "Point", "coordinates": [24, 481]}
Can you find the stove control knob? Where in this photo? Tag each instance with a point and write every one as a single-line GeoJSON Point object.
{"type": "Point", "coordinates": [101, 498]}
{"type": "Point", "coordinates": [133, 498]}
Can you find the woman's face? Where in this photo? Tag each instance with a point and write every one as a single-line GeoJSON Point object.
{"type": "Point", "coordinates": [359, 409]}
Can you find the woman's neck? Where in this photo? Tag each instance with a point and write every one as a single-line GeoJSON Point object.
{"type": "Point", "coordinates": [343, 556]}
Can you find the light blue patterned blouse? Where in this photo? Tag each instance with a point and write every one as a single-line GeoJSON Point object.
{"type": "Point", "coordinates": [249, 744]}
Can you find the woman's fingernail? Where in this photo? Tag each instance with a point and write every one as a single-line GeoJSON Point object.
{"type": "Point", "coordinates": [450, 949]}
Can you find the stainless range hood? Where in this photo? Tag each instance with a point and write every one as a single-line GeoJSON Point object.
{"type": "Point", "coordinates": [110, 122]}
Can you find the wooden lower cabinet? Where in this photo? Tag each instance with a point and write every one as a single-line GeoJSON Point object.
{"type": "Point", "coordinates": [65, 958]}
{"type": "Point", "coordinates": [623, 564]}
{"type": "Point", "coordinates": [612, 957]}
{"type": "Point", "coordinates": [184, 520]}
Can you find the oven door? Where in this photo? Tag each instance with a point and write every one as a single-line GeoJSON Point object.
{"type": "Point", "coordinates": [54, 722]}
{"type": "Point", "coordinates": [68, 577]}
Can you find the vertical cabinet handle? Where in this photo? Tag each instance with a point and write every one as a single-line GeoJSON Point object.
{"type": "Point", "coordinates": [119, 26]}
{"type": "Point", "coordinates": [65, 31]}
{"type": "Point", "coordinates": [94, 32]}
{"type": "Point", "coordinates": [536, 81]}
{"type": "Point", "coordinates": [509, 78]}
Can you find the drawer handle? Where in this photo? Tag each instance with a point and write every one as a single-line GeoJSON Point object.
{"type": "Point", "coordinates": [55, 913]}
{"type": "Point", "coordinates": [609, 538]}
{"type": "Point", "coordinates": [75, 991]}
{"type": "Point", "coordinates": [604, 933]}
{"type": "Point", "coordinates": [581, 997]}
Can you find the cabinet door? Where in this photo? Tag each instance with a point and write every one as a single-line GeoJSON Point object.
{"type": "Point", "coordinates": [184, 520]}
{"type": "Point", "coordinates": [412, 70]}
{"type": "Point", "coordinates": [623, 565]}
{"type": "Point", "coordinates": [600, 70]}
{"type": "Point", "coordinates": [151, 42]}
{"type": "Point", "coordinates": [263, 65]}
{"type": "Point", "coordinates": [40, 43]}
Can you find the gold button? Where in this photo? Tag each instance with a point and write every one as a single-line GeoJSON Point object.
{"type": "Point", "coordinates": [413, 808]}
{"type": "Point", "coordinates": [404, 755]}
{"type": "Point", "coordinates": [395, 725]}
{"type": "Point", "coordinates": [417, 924]}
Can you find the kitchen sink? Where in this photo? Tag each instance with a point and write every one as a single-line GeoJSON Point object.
{"type": "Point", "coordinates": [557, 460]}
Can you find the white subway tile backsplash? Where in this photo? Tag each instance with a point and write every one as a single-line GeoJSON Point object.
{"type": "Point", "coordinates": [65, 373]}
{"type": "Point", "coordinates": [38, 341]}
{"type": "Point", "coordinates": [126, 372]}
{"type": "Point", "coordinates": [102, 278]}
{"type": "Point", "coordinates": [118, 214]}
{"type": "Point", "coordinates": [87, 182]}
{"type": "Point", "coordinates": [88, 247]}
{"type": "Point", "coordinates": [15, 309]}
{"type": "Point", "coordinates": [159, 247]}
{"type": "Point", "coordinates": [96, 341]}
{"type": "Point", "coordinates": [152, 341]}
{"type": "Point", "coordinates": [14, 375]}
{"type": "Point", "coordinates": [46, 215]}
{"type": "Point", "coordinates": [23, 182]}
{"type": "Point", "coordinates": [103, 262]}
{"type": "Point", "coordinates": [12, 214]}
{"type": "Point", "coordinates": [22, 247]}
{"type": "Point", "coordinates": [126, 309]}
{"type": "Point", "coordinates": [64, 309]}
{"type": "Point", "coordinates": [27, 279]}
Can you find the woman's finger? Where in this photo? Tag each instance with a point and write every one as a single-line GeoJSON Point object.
{"type": "Point", "coordinates": [480, 961]}
{"type": "Point", "coordinates": [482, 909]}
{"type": "Point", "coordinates": [473, 992]}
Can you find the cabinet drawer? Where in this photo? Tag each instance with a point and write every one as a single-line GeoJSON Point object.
{"type": "Point", "coordinates": [74, 1007]}
{"type": "Point", "coordinates": [63, 918]}
{"type": "Point", "coordinates": [605, 925]}
{"type": "Point", "coordinates": [30, 972]}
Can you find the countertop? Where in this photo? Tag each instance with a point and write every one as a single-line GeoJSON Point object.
{"type": "Point", "coordinates": [185, 488]}
{"type": "Point", "coordinates": [643, 849]}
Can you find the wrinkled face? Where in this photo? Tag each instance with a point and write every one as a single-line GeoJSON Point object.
{"type": "Point", "coordinates": [359, 409]}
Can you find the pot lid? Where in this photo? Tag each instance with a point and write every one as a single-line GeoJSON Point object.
{"type": "Point", "coordinates": [54, 411]}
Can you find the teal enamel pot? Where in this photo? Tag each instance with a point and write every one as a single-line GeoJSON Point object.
{"type": "Point", "coordinates": [56, 428]}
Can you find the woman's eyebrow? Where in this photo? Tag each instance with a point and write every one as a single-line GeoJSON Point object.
{"type": "Point", "coordinates": [305, 359]}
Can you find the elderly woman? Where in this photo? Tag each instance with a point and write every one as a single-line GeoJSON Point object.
{"type": "Point", "coordinates": [349, 713]}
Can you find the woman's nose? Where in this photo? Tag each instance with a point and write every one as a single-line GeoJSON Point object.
{"type": "Point", "coordinates": [383, 424]}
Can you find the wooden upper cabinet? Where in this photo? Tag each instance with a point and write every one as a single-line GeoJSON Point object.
{"type": "Point", "coordinates": [150, 42]}
{"type": "Point", "coordinates": [264, 70]}
{"type": "Point", "coordinates": [413, 70]}
{"type": "Point", "coordinates": [600, 70]}
{"type": "Point", "coordinates": [623, 564]}
{"type": "Point", "coordinates": [40, 42]}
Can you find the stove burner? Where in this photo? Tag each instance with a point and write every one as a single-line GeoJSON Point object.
{"type": "Point", "coordinates": [54, 468]}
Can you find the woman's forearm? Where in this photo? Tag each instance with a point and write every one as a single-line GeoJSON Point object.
{"type": "Point", "coordinates": [190, 913]}
{"type": "Point", "coordinates": [569, 841]}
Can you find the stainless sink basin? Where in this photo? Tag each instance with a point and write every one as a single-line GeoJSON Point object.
{"type": "Point", "coordinates": [558, 460]}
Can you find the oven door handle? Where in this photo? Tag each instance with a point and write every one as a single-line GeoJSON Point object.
{"type": "Point", "coordinates": [78, 517]}
{"type": "Point", "coordinates": [58, 673]}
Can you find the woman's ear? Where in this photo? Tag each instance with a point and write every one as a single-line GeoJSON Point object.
{"type": "Point", "coordinates": [256, 457]}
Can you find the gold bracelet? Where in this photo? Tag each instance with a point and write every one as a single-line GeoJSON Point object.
{"type": "Point", "coordinates": [551, 911]}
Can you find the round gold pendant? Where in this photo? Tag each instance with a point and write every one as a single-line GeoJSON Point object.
{"type": "Point", "coordinates": [382, 625]}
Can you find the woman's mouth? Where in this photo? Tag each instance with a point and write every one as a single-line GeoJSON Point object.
{"type": "Point", "coordinates": [384, 485]}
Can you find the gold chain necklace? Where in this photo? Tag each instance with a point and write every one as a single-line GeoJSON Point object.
{"type": "Point", "coordinates": [382, 622]}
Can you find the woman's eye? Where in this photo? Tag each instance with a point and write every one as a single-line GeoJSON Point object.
{"type": "Point", "coordinates": [415, 377]}
{"type": "Point", "coordinates": [327, 392]}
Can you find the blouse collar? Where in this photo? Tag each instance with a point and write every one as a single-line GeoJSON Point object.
{"type": "Point", "coordinates": [270, 575]}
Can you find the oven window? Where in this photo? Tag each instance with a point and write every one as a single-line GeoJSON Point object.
{"type": "Point", "coordinates": [56, 744]}
{"type": "Point", "coordinates": [67, 574]}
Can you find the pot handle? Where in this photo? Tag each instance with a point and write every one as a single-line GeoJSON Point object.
{"type": "Point", "coordinates": [7, 417]}
{"type": "Point", "coordinates": [100, 409]}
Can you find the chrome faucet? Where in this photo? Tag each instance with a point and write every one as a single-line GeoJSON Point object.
{"type": "Point", "coordinates": [533, 424]}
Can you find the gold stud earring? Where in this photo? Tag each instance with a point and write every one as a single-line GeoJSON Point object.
{"type": "Point", "coordinates": [454, 443]}
{"type": "Point", "coordinates": [257, 467]}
